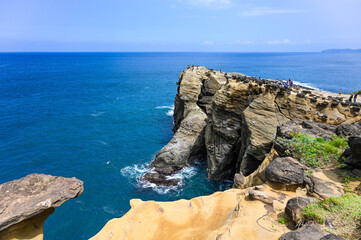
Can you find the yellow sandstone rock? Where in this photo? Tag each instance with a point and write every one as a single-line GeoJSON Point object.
{"type": "Point", "coordinates": [222, 215]}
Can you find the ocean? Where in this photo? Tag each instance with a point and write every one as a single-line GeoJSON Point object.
{"type": "Point", "coordinates": [102, 117]}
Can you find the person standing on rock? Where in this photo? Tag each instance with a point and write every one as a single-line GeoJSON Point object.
{"type": "Point", "coordinates": [350, 99]}
{"type": "Point", "coordinates": [340, 92]}
{"type": "Point", "coordinates": [355, 98]}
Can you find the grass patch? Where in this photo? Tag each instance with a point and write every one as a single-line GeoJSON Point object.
{"type": "Point", "coordinates": [282, 220]}
{"type": "Point", "coordinates": [316, 152]}
{"type": "Point", "coordinates": [345, 212]}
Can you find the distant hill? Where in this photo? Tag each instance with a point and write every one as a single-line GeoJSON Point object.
{"type": "Point", "coordinates": [345, 50]}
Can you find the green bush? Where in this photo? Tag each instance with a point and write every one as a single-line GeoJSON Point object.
{"type": "Point", "coordinates": [316, 152]}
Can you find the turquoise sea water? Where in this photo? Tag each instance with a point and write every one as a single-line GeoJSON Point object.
{"type": "Point", "coordinates": [101, 117]}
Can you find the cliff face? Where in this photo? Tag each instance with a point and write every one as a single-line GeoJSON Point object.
{"type": "Point", "coordinates": [195, 90]}
{"type": "Point", "coordinates": [231, 119]}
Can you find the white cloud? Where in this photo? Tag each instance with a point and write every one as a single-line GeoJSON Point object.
{"type": "Point", "coordinates": [283, 41]}
{"type": "Point", "coordinates": [208, 43]}
{"type": "Point", "coordinates": [211, 3]}
{"type": "Point", "coordinates": [244, 42]}
{"type": "Point", "coordinates": [262, 11]}
{"type": "Point", "coordinates": [286, 41]}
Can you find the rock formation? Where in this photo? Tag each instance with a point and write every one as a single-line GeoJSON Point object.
{"type": "Point", "coordinates": [195, 90]}
{"type": "Point", "coordinates": [27, 202]}
{"type": "Point", "coordinates": [231, 214]}
{"type": "Point", "coordinates": [232, 120]}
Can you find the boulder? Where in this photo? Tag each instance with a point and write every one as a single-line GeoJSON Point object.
{"type": "Point", "coordinates": [286, 171]}
{"type": "Point", "coordinates": [331, 237]}
{"type": "Point", "coordinates": [34, 194]}
{"type": "Point", "coordinates": [355, 158]}
{"type": "Point", "coordinates": [349, 130]}
{"type": "Point", "coordinates": [307, 232]}
{"type": "Point", "coordinates": [295, 207]}
{"type": "Point", "coordinates": [323, 187]}
{"type": "Point", "coordinates": [261, 196]}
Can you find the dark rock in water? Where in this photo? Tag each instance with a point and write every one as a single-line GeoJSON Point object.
{"type": "Point", "coordinates": [355, 146]}
{"type": "Point", "coordinates": [159, 179]}
{"type": "Point", "coordinates": [349, 130]}
{"type": "Point", "coordinates": [286, 171]}
{"type": "Point", "coordinates": [261, 196]}
{"type": "Point", "coordinates": [331, 237]}
{"type": "Point", "coordinates": [295, 206]}
{"type": "Point", "coordinates": [307, 232]}
{"type": "Point", "coordinates": [34, 194]}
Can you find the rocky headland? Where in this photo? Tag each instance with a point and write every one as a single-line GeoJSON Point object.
{"type": "Point", "coordinates": [262, 136]}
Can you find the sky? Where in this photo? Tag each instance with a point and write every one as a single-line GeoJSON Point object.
{"type": "Point", "coordinates": [179, 25]}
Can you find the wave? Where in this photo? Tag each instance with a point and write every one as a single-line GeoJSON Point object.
{"type": "Point", "coordinates": [166, 107]}
{"type": "Point", "coordinates": [138, 170]}
{"type": "Point", "coordinates": [170, 108]}
{"type": "Point", "coordinates": [308, 85]}
{"type": "Point", "coordinates": [170, 113]}
{"type": "Point", "coordinates": [96, 114]}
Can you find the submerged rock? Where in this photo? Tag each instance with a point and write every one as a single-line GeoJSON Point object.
{"type": "Point", "coordinates": [160, 179]}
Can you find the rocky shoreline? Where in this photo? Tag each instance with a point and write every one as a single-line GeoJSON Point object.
{"type": "Point", "coordinates": [286, 149]}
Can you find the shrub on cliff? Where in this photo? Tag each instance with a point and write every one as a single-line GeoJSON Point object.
{"type": "Point", "coordinates": [344, 213]}
{"type": "Point", "coordinates": [315, 152]}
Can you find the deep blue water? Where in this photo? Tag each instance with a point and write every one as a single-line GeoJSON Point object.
{"type": "Point", "coordinates": [102, 116]}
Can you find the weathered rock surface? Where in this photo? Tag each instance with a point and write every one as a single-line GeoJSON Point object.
{"type": "Point", "coordinates": [223, 215]}
{"type": "Point", "coordinates": [307, 232]}
{"type": "Point", "coordinates": [331, 237]}
{"type": "Point", "coordinates": [323, 187]}
{"type": "Point", "coordinates": [261, 196]}
{"type": "Point", "coordinates": [349, 130]}
{"type": "Point", "coordinates": [295, 207]}
{"type": "Point", "coordinates": [355, 149]}
{"type": "Point", "coordinates": [313, 129]}
{"type": "Point", "coordinates": [286, 171]}
{"type": "Point", "coordinates": [33, 196]}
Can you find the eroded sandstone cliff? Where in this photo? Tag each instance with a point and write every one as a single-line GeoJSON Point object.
{"type": "Point", "coordinates": [231, 120]}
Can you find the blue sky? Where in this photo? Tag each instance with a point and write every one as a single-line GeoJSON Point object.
{"type": "Point", "coordinates": [179, 25]}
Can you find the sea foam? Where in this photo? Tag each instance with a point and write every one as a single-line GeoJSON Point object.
{"type": "Point", "coordinates": [136, 171]}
